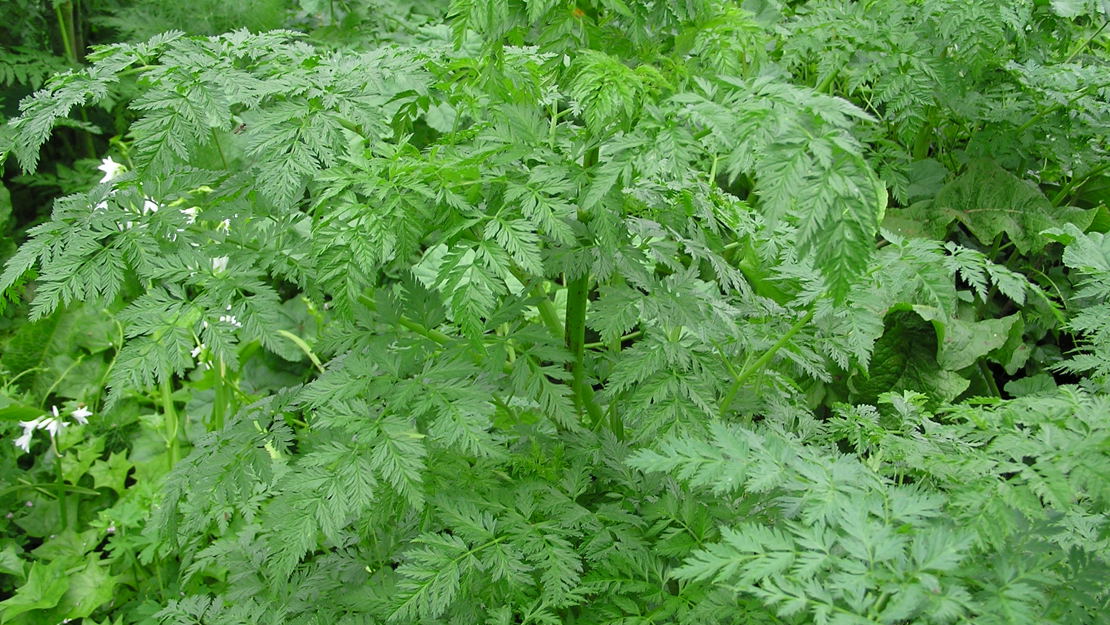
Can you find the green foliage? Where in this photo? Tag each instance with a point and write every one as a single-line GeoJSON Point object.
{"type": "Point", "coordinates": [549, 312]}
{"type": "Point", "coordinates": [142, 19]}
{"type": "Point", "coordinates": [914, 528]}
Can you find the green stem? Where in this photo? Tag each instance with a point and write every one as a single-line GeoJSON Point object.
{"type": "Point", "coordinates": [171, 423]}
{"type": "Point", "coordinates": [220, 401]}
{"type": "Point", "coordinates": [615, 346]}
{"type": "Point", "coordinates": [219, 148]}
{"type": "Point", "coordinates": [63, 501]}
{"type": "Point", "coordinates": [432, 335]}
{"type": "Point", "coordinates": [138, 69]}
{"type": "Point", "coordinates": [64, 14]}
{"type": "Point", "coordinates": [1077, 182]}
{"type": "Point", "coordinates": [111, 363]}
{"type": "Point", "coordinates": [761, 362]}
{"type": "Point", "coordinates": [548, 314]}
{"type": "Point", "coordinates": [1051, 109]}
{"type": "Point", "coordinates": [59, 379]}
{"type": "Point", "coordinates": [988, 377]}
{"type": "Point", "coordinates": [78, 33]}
{"type": "Point", "coordinates": [826, 82]}
{"type": "Point", "coordinates": [924, 139]}
{"type": "Point", "coordinates": [578, 296]}
{"type": "Point", "coordinates": [45, 487]}
{"type": "Point", "coordinates": [299, 342]}
{"type": "Point", "coordinates": [578, 293]}
{"type": "Point", "coordinates": [1087, 41]}
{"type": "Point", "coordinates": [74, 51]}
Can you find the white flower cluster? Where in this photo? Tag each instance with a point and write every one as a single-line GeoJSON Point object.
{"type": "Point", "coordinates": [231, 320]}
{"type": "Point", "coordinates": [112, 170]}
{"type": "Point", "coordinates": [53, 424]}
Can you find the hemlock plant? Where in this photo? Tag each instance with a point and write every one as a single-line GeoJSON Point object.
{"type": "Point", "coordinates": [601, 312]}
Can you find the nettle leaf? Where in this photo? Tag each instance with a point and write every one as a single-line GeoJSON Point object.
{"type": "Point", "coordinates": [1075, 8]}
{"type": "Point", "coordinates": [990, 201]}
{"type": "Point", "coordinates": [962, 343]}
{"type": "Point", "coordinates": [905, 358]}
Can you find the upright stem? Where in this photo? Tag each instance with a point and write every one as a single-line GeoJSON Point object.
{"type": "Point", "coordinates": [63, 12]}
{"type": "Point", "coordinates": [578, 295]}
{"type": "Point", "coordinates": [74, 49]}
{"type": "Point", "coordinates": [63, 500]}
{"type": "Point", "coordinates": [220, 401]}
{"type": "Point", "coordinates": [219, 148]}
{"type": "Point", "coordinates": [171, 423]}
{"type": "Point", "coordinates": [1077, 182]}
{"type": "Point", "coordinates": [1086, 42]}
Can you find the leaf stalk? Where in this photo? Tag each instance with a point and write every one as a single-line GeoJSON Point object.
{"type": "Point", "coordinates": [761, 362]}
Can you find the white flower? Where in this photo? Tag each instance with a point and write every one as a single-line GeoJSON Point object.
{"type": "Point", "coordinates": [197, 350]}
{"type": "Point", "coordinates": [110, 168]}
{"type": "Point", "coordinates": [52, 425]}
{"type": "Point", "coordinates": [149, 206]}
{"type": "Point", "coordinates": [24, 442]}
{"type": "Point", "coordinates": [81, 415]}
{"type": "Point", "coordinates": [49, 424]}
{"type": "Point", "coordinates": [230, 319]}
{"type": "Point", "coordinates": [224, 225]}
{"type": "Point", "coordinates": [190, 214]}
{"type": "Point", "coordinates": [219, 264]}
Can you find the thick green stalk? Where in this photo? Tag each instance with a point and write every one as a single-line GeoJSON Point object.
{"type": "Point", "coordinates": [924, 139]}
{"type": "Point", "coordinates": [761, 362]}
{"type": "Point", "coordinates": [578, 296]}
{"type": "Point", "coordinates": [74, 49]}
{"type": "Point", "coordinates": [63, 501]}
{"type": "Point", "coordinates": [170, 424]}
{"type": "Point", "coordinates": [63, 12]}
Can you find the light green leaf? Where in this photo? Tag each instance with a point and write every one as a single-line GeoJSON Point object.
{"type": "Point", "coordinates": [905, 358]}
{"type": "Point", "coordinates": [962, 342]}
{"type": "Point", "coordinates": [46, 584]}
{"type": "Point", "coordinates": [989, 201]}
{"type": "Point", "coordinates": [111, 474]}
{"type": "Point", "coordinates": [10, 562]}
{"type": "Point", "coordinates": [89, 588]}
